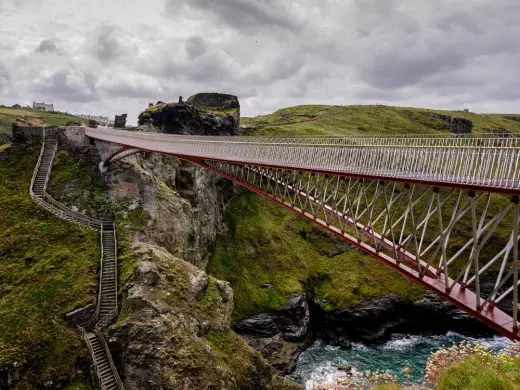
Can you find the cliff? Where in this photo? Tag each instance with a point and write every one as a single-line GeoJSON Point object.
{"type": "Point", "coordinates": [202, 114]}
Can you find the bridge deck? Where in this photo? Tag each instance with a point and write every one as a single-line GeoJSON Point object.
{"type": "Point", "coordinates": [490, 164]}
{"type": "Point", "coordinates": [462, 245]}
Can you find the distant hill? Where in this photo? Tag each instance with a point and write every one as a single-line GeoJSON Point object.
{"type": "Point", "coordinates": [314, 120]}
{"type": "Point", "coordinates": [8, 116]}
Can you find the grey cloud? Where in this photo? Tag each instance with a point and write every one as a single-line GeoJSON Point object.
{"type": "Point", "coordinates": [195, 47]}
{"type": "Point", "coordinates": [5, 76]}
{"type": "Point", "coordinates": [398, 69]}
{"type": "Point", "coordinates": [244, 15]}
{"type": "Point", "coordinates": [270, 53]}
{"type": "Point", "coordinates": [129, 89]}
{"type": "Point", "coordinates": [68, 86]}
{"type": "Point", "coordinates": [462, 20]}
{"type": "Point", "coordinates": [107, 45]}
{"type": "Point", "coordinates": [46, 45]}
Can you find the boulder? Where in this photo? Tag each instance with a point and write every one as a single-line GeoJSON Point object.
{"type": "Point", "coordinates": [458, 125]}
{"type": "Point", "coordinates": [120, 121]}
{"type": "Point", "coordinates": [5, 139]}
{"type": "Point", "coordinates": [280, 335]}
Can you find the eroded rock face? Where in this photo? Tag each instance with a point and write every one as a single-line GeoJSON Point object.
{"type": "Point", "coordinates": [185, 203]}
{"type": "Point", "coordinates": [374, 321]}
{"type": "Point", "coordinates": [280, 335]}
{"type": "Point", "coordinates": [201, 114]}
{"type": "Point", "coordinates": [173, 330]}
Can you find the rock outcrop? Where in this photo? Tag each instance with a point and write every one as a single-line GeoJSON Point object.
{"type": "Point", "coordinates": [280, 335]}
{"type": "Point", "coordinates": [201, 114]}
{"type": "Point", "coordinates": [456, 125]}
{"type": "Point", "coordinates": [173, 330]}
{"type": "Point", "coordinates": [374, 321]}
{"type": "Point", "coordinates": [185, 203]}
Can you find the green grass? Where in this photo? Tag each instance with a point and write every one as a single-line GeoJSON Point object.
{"type": "Point", "coordinates": [370, 120]}
{"type": "Point", "coordinates": [472, 374]}
{"type": "Point", "coordinates": [8, 116]}
{"type": "Point", "coordinates": [268, 244]}
{"type": "Point", "coordinates": [47, 268]}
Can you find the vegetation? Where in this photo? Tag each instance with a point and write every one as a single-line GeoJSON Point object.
{"type": "Point", "coordinates": [473, 374]}
{"type": "Point", "coordinates": [8, 116]}
{"type": "Point", "coordinates": [269, 253]}
{"type": "Point", "coordinates": [370, 120]}
{"type": "Point", "coordinates": [470, 366]}
{"type": "Point", "coordinates": [465, 366]}
{"type": "Point", "coordinates": [47, 268]}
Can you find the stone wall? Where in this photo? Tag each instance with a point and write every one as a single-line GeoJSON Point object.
{"type": "Point", "coordinates": [74, 135]}
{"type": "Point", "coordinates": [26, 133]}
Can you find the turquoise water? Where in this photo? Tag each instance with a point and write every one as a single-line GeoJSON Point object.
{"type": "Point", "coordinates": [318, 364]}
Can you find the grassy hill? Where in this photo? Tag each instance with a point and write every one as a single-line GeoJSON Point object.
{"type": "Point", "coordinates": [376, 119]}
{"type": "Point", "coordinates": [268, 251]}
{"type": "Point", "coordinates": [47, 268]}
{"type": "Point", "coordinates": [8, 116]}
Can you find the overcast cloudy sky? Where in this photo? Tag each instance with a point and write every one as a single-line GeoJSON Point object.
{"type": "Point", "coordinates": [113, 56]}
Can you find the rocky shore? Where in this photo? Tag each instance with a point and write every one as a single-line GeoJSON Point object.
{"type": "Point", "coordinates": [282, 335]}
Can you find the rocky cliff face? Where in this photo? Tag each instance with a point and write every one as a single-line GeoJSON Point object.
{"type": "Point", "coordinates": [201, 114]}
{"type": "Point", "coordinates": [185, 203]}
{"type": "Point", "coordinates": [173, 330]}
{"type": "Point", "coordinates": [281, 335]}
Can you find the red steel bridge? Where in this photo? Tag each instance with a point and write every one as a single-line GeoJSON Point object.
{"type": "Point", "coordinates": [442, 210]}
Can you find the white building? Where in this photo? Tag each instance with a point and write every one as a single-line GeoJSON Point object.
{"type": "Point", "coordinates": [43, 107]}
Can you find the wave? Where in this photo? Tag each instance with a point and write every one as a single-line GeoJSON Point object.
{"type": "Point", "coordinates": [408, 342]}
{"type": "Point", "coordinates": [321, 363]}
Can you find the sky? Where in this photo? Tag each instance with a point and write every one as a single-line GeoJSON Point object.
{"type": "Point", "coordinates": [111, 57]}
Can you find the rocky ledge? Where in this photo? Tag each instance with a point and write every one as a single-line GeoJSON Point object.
{"type": "Point", "coordinates": [282, 335]}
{"type": "Point", "coordinates": [173, 330]}
{"type": "Point", "coordinates": [201, 114]}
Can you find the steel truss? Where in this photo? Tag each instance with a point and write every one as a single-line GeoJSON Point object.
{"type": "Point", "coordinates": [458, 243]}
{"type": "Point", "coordinates": [442, 211]}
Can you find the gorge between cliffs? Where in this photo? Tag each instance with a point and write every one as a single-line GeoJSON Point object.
{"type": "Point", "coordinates": [220, 288]}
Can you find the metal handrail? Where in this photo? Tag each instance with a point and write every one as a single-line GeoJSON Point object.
{"type": "Point", "coordinates": [491, 163]}
{"type": "Point", "coordinates": [91, 350]}
{"type": "Point", "coordinates": [110, 361]}
{"type": "Point", "coordinates": [115, 265]}
{"type": "Point", "coordinates": [95, 315]}
{"type": "Point", "coordinates": [61, 211]}
{"type": "Point", "coordinates": [36, 169]}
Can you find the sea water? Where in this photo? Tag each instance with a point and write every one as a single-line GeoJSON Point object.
{"type": "Point", "coordinates": [319, 364]}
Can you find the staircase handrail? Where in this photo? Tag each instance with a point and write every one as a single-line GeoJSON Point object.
{"type": "Point", "coordinates": [61, 211]}
{"type": "Point", "coordinates": [37, 168]}
{"type": "Point", "coordinates": [101, 338]}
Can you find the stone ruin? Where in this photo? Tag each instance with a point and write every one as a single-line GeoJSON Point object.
{"type": "Point", "coordinates": [120, 121]}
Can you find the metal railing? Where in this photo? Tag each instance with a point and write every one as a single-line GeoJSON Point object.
{"type": "Point", "coordinates": [46, 201]}
{"type": "Point", "coordinates": [491, 162]}
{"type": "Point", "coordinates": [101, 338]}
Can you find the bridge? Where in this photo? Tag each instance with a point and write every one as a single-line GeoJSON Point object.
{"type": "Point", "coordinates": [442, 210]}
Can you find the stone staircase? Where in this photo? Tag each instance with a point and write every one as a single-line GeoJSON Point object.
{"type": "Point", "coordinates": [106, 308]}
